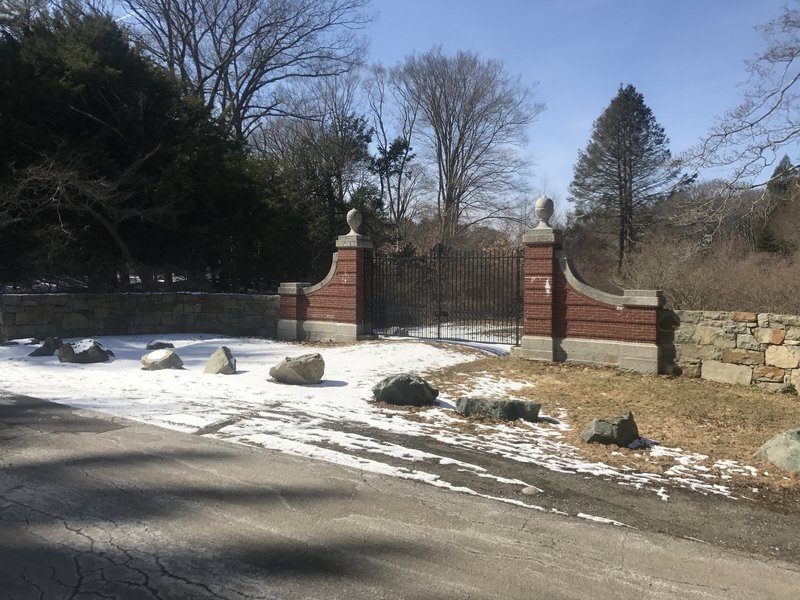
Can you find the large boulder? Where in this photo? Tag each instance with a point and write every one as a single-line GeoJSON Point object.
{"type": "Point", "coordinates": [48, 348]}
{"type": "Point", "coordinates": [621, 431]}
{"type": "Point", "coordinates": [159, 345]}
{"type": "Point", "coordinates": [505, 410]}
{"type": "Point", "coordinates": [221, 362]}
{"type": "Point", "coordinates": [306, 369]}
{"type": "Point", "coordinates": [84, 352]}
{"type": "Point", "coordinates": [405, 389]}
{"type": "Point", "coordinates": [158, 360]}
{"type": "Point", "coordinates": [783, 450]}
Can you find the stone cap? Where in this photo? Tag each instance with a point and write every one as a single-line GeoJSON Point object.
{"type": "Point", "coordinates": [543, 237]}
{"type": "Point", "coordinates": [293, 288]}
{"type": "Point", "coordinates": [353, 240]}
{"type": "Point", "coordinates": [641, 298]}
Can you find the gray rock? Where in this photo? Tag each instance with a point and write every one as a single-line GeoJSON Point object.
{"type": "Point", "coordinates": [158, 360]}
{"type": "Point", "coordinates": [48, 348]}
{"type": "Point", "coordinates": [159, 345]}
{"type": "Point", "coordinates": [620, 431]}
{"type": "Point", "coordinates": [506, 410]}
{"type": "Point", "coordinates": [783, 450]}
{"type": "Point", "coordinates": [405, 389]}
{"type": "Point", "coordinates": [306, 369]}
{"type": "Point", "coordinates": [84, 352]}
{"type": "Point", "coordinates": [221, 362]}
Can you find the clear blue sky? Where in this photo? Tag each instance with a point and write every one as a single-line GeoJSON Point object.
{"type": "Point", "coordinates": [686, 57]}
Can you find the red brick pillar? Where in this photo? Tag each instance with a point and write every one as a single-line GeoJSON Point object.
{"type": "Point", "coordinates": [335, 308]}
{"type": "Point", "coordinates": [540, 271]}
{"type": "Point", "coordinates": [291, 309]}
{"type": "Point", "coordinates": [353, 256]}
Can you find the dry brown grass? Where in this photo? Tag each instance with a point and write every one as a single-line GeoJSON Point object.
{"type": "Point", "coordinates": [724, 422]}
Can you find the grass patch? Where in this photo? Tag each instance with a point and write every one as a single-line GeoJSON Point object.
{"type": "Point", "coordinates": [721, 421]}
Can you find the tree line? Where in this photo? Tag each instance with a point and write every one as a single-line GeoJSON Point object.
{"type": "Point", "coordinates": [221, 142]}
{"type": "Point", "coordinates": [225, 140]}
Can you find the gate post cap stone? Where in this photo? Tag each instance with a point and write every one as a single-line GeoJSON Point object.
{"type": "Point", "coordinates": [544, 211]}
{"type": "Point", "coordinates": [353, 239]}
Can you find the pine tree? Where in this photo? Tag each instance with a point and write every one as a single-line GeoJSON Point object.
{"type": "Point", "coordinates": [779, 233]}
{"type": "Point", "coordinates": [624, 171]}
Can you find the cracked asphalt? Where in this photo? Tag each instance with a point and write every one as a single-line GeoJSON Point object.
{"type": "Point", "coordinates": [93, 506]}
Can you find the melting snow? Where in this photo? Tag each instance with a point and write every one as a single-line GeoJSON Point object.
{"type": "Point", "coordinates": [331, 421]}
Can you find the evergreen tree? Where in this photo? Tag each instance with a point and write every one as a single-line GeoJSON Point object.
{"type": "Point", "coordinates": [624, 171]}
{"type": "Point", "coordinates": [106, 169]}
{"type": "Point", "coordinates": [779, 233]}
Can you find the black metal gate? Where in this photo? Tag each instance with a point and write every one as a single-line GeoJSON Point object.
{"type": "Point", "coordinates": [447, 295]}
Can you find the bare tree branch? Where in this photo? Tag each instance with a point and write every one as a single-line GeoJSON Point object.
{"type": "Point", "coordinates": [473, 119]}
{"type": "Point", "coordinates": [239, 55]}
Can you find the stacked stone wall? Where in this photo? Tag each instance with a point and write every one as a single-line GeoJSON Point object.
{"type": "Point", "coordinates": [744, 348]}
{"type": "Point", "coordinates": [79, 315]}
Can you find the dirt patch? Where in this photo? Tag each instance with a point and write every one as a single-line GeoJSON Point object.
{"type": "Point", "coordinates": [721, 421]}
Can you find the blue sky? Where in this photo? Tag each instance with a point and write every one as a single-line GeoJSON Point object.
{"type": "Point", "coordinates": [687, 57]}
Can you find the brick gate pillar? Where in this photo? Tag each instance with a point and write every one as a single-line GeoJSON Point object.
{"type": "Point", "coordinates": [565, 319]}
{"type": "Point", "coordinates": [540, 273]}
{"type": "Point", "coordinates": [335, 308]}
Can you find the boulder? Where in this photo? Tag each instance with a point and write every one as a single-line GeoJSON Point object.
{"type": "Point", "coordinates": [620, 431]}
{"type": "Point", "coordinates": [161, 359]}
{"type": "Point", "coordinates": [48, 348]}
{"type": "Point", "coordinates": [783, 450]}
{"type": "Point", "coordinates": [221, 362]}
{"type": "Point", "coordinates": [84, 352]}
{"type": "Point", "coordinates": [505, 410]}
{"type": "Point", "coordinates": [405, 389]}
{"type": "Point", "coordinates": [306, 369]}
{"type": "Point", "coordinates": [159, 345]}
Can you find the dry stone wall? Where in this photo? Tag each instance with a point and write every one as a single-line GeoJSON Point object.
{"type": "Point", "coordinates": [77, 315]}
{"type": "Point", "coordinates": [744, 348]}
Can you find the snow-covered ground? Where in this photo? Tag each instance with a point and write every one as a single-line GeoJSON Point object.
{"type": "Point", "coordinates": [334, 420]}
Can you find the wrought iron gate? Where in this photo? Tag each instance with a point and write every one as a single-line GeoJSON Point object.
{"type": "Point", "coordinates": [447, 295]}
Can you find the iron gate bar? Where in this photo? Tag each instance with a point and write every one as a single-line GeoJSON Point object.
{"type": "Point", "coordinates": [448, 295]}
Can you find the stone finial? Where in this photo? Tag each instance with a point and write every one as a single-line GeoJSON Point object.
{"type": "Point", "coordinates": [544, 211]}
{"type": "Point", "coordinates": [354, 221]}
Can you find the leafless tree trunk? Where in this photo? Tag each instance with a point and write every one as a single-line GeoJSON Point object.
{"type": "Point", "coordinates": [474, 118]}
{"type": "Point", "coordinates": [241, 56]}
{"type": "Point", "coordinates": [400, 177]}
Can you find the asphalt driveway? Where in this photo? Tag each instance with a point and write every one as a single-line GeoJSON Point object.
{"type": "Point", "coordinates": [98, 507]}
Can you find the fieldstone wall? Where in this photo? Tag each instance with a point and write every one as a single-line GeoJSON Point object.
{"type": "Point", "coordinates": [744, 348]}
{"type": "Point", "coordinates": [83, 315]}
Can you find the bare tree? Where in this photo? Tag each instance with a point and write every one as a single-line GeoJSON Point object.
{"type": "Point", "coordinates": [473, 118]}
{"type": "Point", "coordinates": [394, 117]}
{"type": "Point", "coordinates": [240, 56]}
{"type": "Point", "coordinates": [750, 137]}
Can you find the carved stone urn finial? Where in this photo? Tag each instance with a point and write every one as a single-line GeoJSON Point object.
{"type": "Point", "coordinates": [354, 221]}
{"type": "Point", "coordinates": [544, 210]}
